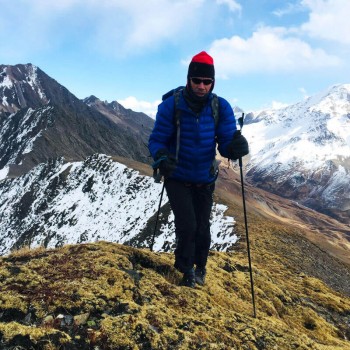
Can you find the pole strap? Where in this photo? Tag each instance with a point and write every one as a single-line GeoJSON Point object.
{"type": "Point", "coordinates": [156, 173]}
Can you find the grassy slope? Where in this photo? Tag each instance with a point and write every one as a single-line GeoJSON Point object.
{"type": "Point", "coordinates": [131, 300]}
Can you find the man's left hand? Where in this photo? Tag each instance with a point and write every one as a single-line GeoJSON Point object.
{"type": "Point", "coordinates": [238, 147]}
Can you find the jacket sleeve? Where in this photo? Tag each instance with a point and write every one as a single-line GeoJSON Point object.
{"type": "Point", "coordinates": [226, 127]}
{"type": "Point", "coordinates": [164, 127]}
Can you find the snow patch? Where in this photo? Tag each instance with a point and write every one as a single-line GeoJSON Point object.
{"type": "Point", "coordinates": [3, 172]}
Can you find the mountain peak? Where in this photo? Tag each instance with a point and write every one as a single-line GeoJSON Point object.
{"type": "Point", "coordinates": [335, 100]}
{"type": "Point", "coordinates": [20, 87]}
{"type": "Point", "coordinates": [91, 100]}
{"type": "Point", "coordinates": [104, 107]}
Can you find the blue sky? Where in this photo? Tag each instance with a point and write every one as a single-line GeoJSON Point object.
{"type": "Point", "coordinates": [267, 53]}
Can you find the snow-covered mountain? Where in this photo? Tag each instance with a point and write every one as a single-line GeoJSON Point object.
{"type": "Point", "coordinates": [302, 152]}
{"type": "Point", "coordinates": [97, 199]}
{"type": "Point", "coordinates": [41, 120]}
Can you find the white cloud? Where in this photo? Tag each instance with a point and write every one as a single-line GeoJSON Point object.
{"type": "Point", "coordinates": [233, 5]}
{"type": "Point", "coordinates": [289, 8]}
{"type": "Point", "coordinates": [278, 105]}
{"type": "Point", "coordinates": [134, 25]}
{"type": "Point", "coordinates": [329, 19]}
{"type": "Point", "coordinates": [267, 50]}
{"type": "Point", "coordinates": [112, 26]}
{"type": "Point", "coordinates": [149, 108]}
{"type": "Point", "coordinates": [304, 93]}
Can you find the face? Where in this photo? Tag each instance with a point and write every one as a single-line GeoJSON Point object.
{"type": "Point", "coordinates": [199, 87]}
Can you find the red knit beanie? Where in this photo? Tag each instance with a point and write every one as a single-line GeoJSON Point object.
{"type": "Point", "coordinates": [202, 65]}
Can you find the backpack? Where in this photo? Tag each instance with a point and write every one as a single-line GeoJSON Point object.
{"type": "Point", "coordinates": [177, 93]}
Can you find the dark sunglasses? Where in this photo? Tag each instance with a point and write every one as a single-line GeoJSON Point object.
{"type": "Point", "coordinates": [197, 81]}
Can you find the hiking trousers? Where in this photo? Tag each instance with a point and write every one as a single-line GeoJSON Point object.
{"type": "Point", "coordinates": [191, 205]}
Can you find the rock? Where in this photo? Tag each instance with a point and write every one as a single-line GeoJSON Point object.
{"type": "Point", "coordinates": [81, 319]}
{"type": "Point", "coordinates": [48, 320]}
{"type": "Point", "coordinates": [28, 319]}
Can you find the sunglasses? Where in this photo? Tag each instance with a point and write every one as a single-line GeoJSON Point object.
{"type": "Point", "coordinates": [197, 81]}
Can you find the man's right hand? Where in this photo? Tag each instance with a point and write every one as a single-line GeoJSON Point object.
{"type": "Point", "coordinates": [167, 164]}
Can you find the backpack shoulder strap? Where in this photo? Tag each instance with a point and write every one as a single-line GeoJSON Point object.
{"type": "Point", "coordinates": [177, 121]}
{"type": "Point", "coordinates": [177, 110]}
{"type": "Point", "coordinates": [215, 108]}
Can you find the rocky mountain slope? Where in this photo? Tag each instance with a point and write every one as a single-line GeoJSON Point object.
{"type": "Point", "coordinates": [327, 233]}
{"type": "Point", "coordinates": [302, 152]}
{"type": "Point", "coordinates": [41, 120]}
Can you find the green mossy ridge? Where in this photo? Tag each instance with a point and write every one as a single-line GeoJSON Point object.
{"type": "Point", "coordinates": [131, 300]}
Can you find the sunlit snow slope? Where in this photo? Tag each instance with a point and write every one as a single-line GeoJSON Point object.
{"type": "Point", "coordinates": [98, 199]}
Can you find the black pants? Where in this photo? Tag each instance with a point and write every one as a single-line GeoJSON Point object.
{"type": "Point", "coordinates": [191, 205]}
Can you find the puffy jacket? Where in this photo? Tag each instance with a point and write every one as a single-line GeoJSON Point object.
{"type": "Point", "coordinates": [198, 138]}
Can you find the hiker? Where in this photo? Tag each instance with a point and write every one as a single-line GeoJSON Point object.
{"type": "Point", "coordinates": [186, 157]}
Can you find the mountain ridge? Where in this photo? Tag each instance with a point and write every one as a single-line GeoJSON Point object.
{"type": "Point", "coordinates": [62, 202]}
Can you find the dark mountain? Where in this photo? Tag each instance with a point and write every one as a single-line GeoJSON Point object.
{"type": "Point", "coordinates": [40, 120]}
{"type": "Point", "coordinates": [135, 121]}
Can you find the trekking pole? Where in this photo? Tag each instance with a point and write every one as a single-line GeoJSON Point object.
{"type": "Point", "coordinates": [240, 121]}
{"type": "Point", "coordinates": [157, 178]}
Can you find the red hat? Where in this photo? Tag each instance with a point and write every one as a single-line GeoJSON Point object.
{"type": "Point", "coordinates": [202, 65]}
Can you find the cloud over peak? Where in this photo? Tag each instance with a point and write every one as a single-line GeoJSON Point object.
{"type": "Point", "coordinates": [268, 49]}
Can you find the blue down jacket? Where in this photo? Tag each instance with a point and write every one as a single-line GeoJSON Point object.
{"type": "Point", "coordinates": [198, 138]}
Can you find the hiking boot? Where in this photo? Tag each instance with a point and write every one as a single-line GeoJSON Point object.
{"type": "Point", "coordinates": [200, 276]}
{"type": "Point", "coordinates": [188, 279]}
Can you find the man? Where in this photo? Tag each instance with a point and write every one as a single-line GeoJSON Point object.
{"type": "Point", "coordinates": [186, 158]}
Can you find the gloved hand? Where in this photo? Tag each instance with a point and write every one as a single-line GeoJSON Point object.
{"type": "Point", "coordinates": [167, 163]}
{"type": "Point", "coordinates": [238, 147]}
